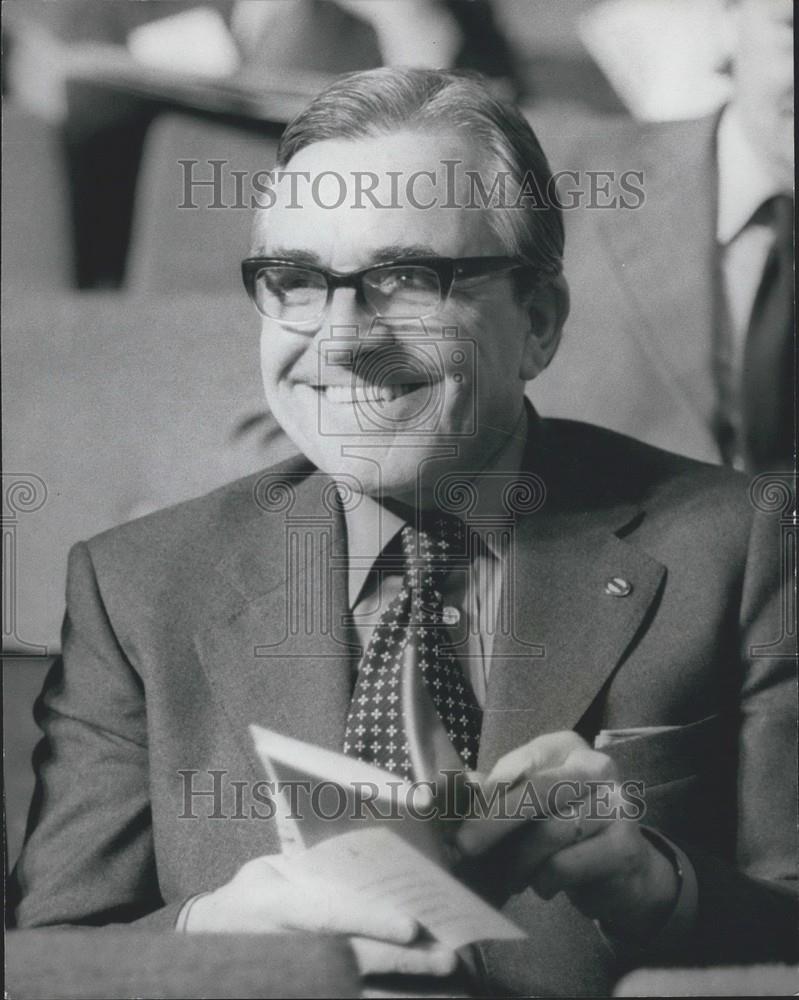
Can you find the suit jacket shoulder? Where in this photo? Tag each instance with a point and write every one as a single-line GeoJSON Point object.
{"type": "Point", "coordinates": [595, 467]}
{"type": "Point", "coordinates": [161, 571]}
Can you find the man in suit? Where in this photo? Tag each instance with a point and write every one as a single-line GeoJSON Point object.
{"type": "Point", "coordinates": [614, 609]}
{"type": "Point", "coordinates": [681, 259]}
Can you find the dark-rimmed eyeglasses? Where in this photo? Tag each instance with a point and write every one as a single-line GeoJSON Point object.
{"type": "Point", "coordinates": [293, 293]}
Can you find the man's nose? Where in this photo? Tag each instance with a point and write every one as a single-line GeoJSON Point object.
{"type": "Point", "coordinates": [345, 310]}
{"type": "Point", "coordinates": [348, 317]}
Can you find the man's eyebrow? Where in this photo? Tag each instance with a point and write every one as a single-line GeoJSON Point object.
{"type": "Point", "coordinates": [397, 251]}
{"type": "Point", "coordinates": [382, 255]}
{"type": "Point", "coordinates": [284, 253]}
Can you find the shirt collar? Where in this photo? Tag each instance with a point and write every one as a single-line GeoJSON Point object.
{"type": "Point", "coordinates": [371, 526]}
{"type": "Point", "coordinates": [745, 181]}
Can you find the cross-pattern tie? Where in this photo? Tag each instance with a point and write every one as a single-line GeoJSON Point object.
{"type": "Point", "coordinates": [412, 624]}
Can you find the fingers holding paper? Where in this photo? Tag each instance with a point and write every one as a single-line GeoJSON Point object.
{"type": "Point", "coordinates": [554, 782]}
{"type": "Point", "coordinates": [565, 825]}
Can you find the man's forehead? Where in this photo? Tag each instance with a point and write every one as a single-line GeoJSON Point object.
{"type": "Point", "coordinates": [403, 150]}
{"type": "Point", "coordinates": [407, 169]}
{"type": "Point", "coordinates": [347, 239]}
{"type": "Point", "coordinates": [402, 190]}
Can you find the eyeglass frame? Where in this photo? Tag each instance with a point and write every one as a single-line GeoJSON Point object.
{"type": "Point", "coordinates": [448, 270]}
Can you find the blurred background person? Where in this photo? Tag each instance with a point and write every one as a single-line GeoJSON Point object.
{"type": "Point", "coordinates": [687, 339]}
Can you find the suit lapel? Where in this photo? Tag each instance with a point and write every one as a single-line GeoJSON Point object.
{"type": "Point", "coordinates": [275, 650]}
{"type": "Point", "coordinates": [570, 626]}
{"type": "Point", "coordinates": [663, 253]}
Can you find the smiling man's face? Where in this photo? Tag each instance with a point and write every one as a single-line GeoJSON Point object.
{"type": "Point", "coordinates": [394, 402]}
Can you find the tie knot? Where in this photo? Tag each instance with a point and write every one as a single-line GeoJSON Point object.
{"type": "Point", "coordinates": [431, 547]}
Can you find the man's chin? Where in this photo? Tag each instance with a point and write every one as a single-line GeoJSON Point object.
{"type": "Point", "coordinates": [374, 468]}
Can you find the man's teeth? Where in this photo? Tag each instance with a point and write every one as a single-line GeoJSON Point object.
{"type": "Point", "coordinates": [367, 394]}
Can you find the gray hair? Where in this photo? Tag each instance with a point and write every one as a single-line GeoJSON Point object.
{"type": "Point", "coordinates": [379, 101]}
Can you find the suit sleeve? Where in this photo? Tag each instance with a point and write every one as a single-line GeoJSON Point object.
{"type": "Point", "coordinates": [88, 857]}
{"type": "Point", "coordinates": [749, 911]}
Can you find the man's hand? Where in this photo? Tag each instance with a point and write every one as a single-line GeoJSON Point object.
{"type": "Point", "coordinates": [584, 846]}
{"type": "Point", "coordinates": [262, 899]}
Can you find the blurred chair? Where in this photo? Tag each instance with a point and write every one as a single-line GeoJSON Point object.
{"type": "Point", "coordinates": [105, 129]}
{"type": "Point", "coordinates": [119, 405]}
{"type": "Point", "coordinates": [37, 242]}
{"type": "Point", "coordinates": [337, 37]}
{"type": "Point", "coordinates": [551, 64]}
{"type": "Point", "coordinates": [51, 43]}
{"type": "Point", "coordinates": [312, 35]}
{"type": "Point", "coordinates": [174, 248]}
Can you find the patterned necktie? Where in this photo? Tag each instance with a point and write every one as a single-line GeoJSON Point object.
{"type": "Point", "coordinates": [412, 624]}
{"type": "Point", "coordinates": [769, 364]}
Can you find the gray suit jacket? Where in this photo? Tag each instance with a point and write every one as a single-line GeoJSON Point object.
{"type": "Point", "coordinates": [188, 624]}
{"type": "Point", "coordinates": [637, 353]}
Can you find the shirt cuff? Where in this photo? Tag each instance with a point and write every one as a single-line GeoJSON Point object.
{"type": "Point", "coordinates": [675, 934]}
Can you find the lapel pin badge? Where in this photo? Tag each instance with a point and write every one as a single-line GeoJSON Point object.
{"type": "Point", "coordinates": [617, 586]}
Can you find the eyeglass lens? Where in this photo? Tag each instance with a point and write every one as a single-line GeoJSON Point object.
{"type": "Point", "coordinates": [291, 293]}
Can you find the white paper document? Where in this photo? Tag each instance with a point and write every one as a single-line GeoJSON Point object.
{"type": "Point", "coordinates": [384, 868]}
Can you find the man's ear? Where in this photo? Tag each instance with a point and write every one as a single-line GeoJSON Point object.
{"type": "Point", "coordinates": [548, 309]}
